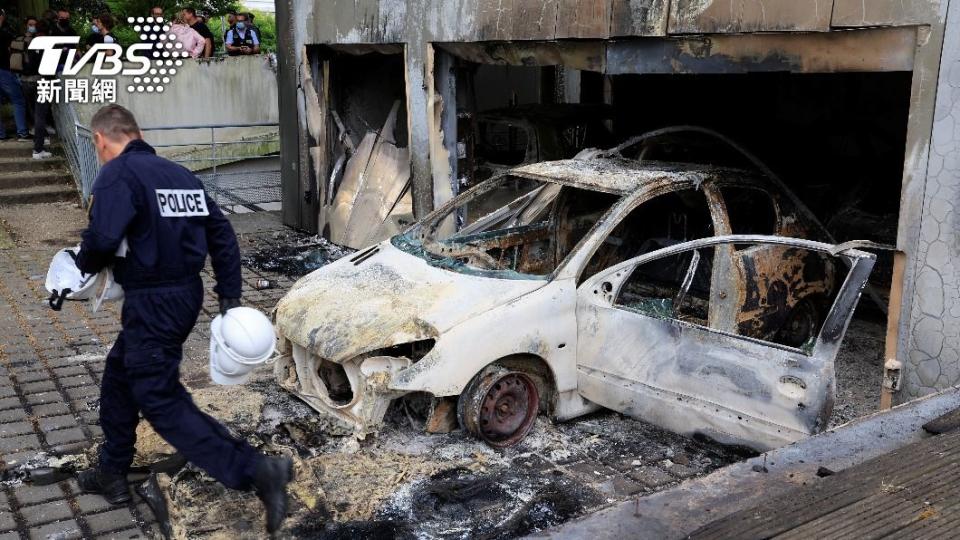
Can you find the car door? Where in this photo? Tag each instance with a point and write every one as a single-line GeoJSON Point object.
{"type": "Point", "coordinates": [646, 348]}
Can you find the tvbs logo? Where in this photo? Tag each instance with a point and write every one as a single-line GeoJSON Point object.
{"type": "Point", "coordinates": [107, 58]}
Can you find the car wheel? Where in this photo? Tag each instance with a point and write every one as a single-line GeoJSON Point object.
{"type": "Point", "coordinates": [801, 325]}
{"type": "Point", "coordinates": [499, 407]}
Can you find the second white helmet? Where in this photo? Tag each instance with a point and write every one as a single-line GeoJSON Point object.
{"type": "Point", "coordinates": [239, 341]}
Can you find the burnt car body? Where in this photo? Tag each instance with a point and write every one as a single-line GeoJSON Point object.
{"type": "Point", "coordinates": [660, 290]}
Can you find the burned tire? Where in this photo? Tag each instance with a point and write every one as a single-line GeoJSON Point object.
{"type": "Point", "coordinates": [499, 407]}
{"type": "Point", "coordinates": [801, 325]}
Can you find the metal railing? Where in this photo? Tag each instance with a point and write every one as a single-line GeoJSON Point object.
{"type": "Point", "coordinates": [210, 157]}
{"type": "Point", "coordinates": [78, 147]}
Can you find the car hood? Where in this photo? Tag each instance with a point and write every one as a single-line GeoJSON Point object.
{"type": "Point", "coordinates": [364, 302]}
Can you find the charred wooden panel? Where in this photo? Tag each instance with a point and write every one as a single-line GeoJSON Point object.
{"type": "Point", "coordinates": [883, 13]}
{"type": "Point", "coordinates": [587, 55]}
{"type": "Point", "coordinates": [494, 20]}
{"type": "Point", "coordinates": [583, 19]}
{"type": "Point", "coordinates": [638, 17]}
{"type": "Point", "coordinates": [358, 21]}
{"type": "Point", "coordinates": [534, 19]}
{"type": "Point", "coordinates": [452, 20]}
{"type": "Point", "coordinates": [885, 49]}
{"type": "Point", "coordinates": [725, 16]}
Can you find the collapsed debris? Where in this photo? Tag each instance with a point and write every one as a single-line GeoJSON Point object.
{"type": "Point", "coordinates": [372, 199]}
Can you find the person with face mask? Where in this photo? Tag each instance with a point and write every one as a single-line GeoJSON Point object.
{"type": "Point", "coordinates": [242, 40]}
{"type": "Point", "coordinates": [26, 62]}
{"type": "Point", "coordinates": [62, 26]}
{"type": "Point", "coordinates": [40, 111]}
{"type": "Point", "coordinates": [101, 30]}
{"type": "Point", "coordinates": [19, 45]}
{"type": "Point", "coordinates": [96, 34]}
{"type": "Point", "coordinates": [170, 226]}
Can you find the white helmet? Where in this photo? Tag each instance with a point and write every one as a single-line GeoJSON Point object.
{"type": "Point", "coordinates": [66, 282]}
{"type": "Point", "coordinates": [239, 341]}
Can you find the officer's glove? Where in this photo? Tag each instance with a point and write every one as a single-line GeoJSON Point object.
{"type": "Point", "coordinates": [227, 304]}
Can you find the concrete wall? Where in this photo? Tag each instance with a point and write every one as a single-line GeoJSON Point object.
{"type": "Point", "coordinates": [933, 360]}
{"type": "Point", "coordinates": [227, 90]}
{"type": "Point", "coordinates": [682, 35]}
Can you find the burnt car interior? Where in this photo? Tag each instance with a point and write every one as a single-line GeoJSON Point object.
{"type": "Point", "coordinates": [494, 140]}
{"type": "Point", "coordinates": [750, 210]}
{"type": "Point", "coordinates": [517, 224]}
{"type": "Point", "coordinates": [676, 287]}
{"type": "Point", "coordinates": [680, 287]}
{"type": "Point", "coordinates": [662, 221]}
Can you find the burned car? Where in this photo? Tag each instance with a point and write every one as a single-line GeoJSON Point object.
{"type": "Point", "coordinates": [676, 293]}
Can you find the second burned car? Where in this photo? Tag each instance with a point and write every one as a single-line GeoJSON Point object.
{"type": "Point", "coordinates": [677, 293]}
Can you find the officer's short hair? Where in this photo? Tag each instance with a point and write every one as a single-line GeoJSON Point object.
{"type": "Point", "coordinates": [115, 122]}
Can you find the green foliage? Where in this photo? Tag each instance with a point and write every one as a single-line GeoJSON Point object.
{"type": "Point", "coordinates": [81, 11]}
{"type": "Point", "coordinates": [125, 35]}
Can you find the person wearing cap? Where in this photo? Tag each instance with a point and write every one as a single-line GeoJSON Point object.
{"type": "Point", "coordinates": [170, 225]}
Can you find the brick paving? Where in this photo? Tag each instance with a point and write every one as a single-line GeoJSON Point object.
{"type": "Point", "coordinates": [50, 369]}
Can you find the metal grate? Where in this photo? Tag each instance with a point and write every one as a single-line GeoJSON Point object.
{"type": "Point", "coordinates": [242, 188]}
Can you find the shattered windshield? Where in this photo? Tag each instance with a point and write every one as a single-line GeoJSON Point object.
{"type": "Point", "coordinates": [510, 227]}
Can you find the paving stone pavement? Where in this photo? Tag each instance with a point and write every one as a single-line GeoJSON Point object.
{"type": "Point", "coordinates": [50, 369]}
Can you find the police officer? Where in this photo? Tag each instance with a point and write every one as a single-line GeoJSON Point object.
{"type": "Point", "coordinates": [242, 39]}
{"type": "Point", "coordinates": [167, 248]}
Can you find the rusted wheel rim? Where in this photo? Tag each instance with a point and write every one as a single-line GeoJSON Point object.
{"type": "Point", "coordinates": [801, 324]}
{"type": "Point", "coordinates": [507, 410]}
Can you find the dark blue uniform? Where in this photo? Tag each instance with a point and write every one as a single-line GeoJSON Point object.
{"type": "Point", "coordinates": [170, 226]}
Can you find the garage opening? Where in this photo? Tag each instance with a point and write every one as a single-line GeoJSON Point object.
{"type": "Point", "coordinates": [836, 140]}
{"type": "Point", "coordinates": [362, 164]}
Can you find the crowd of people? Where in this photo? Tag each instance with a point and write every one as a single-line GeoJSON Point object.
{"type": "Point", "coordinates": [241, 37]}
{"type": "Point", "coordinates": [19, 65]}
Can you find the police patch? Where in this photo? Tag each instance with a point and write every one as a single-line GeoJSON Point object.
{"type": "Point", "coordinates": [182, 202]}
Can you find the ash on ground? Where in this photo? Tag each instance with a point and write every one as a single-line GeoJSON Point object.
{"type": "Point", "coordinates": [405, 483]}
{"type": "Point", "coordinates": [294, 255]}
{"type": "Point", "coordinates": [859, 369]}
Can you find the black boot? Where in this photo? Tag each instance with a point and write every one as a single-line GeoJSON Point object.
{"type": "Point", "coordinates": [270, 481]}
{"type": "Point", "coordinates": [113, 487]}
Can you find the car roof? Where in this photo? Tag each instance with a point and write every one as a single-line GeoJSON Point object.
{"type": "Point", "coordinates": [622, 176]}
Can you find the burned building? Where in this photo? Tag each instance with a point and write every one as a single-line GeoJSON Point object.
{"type": "Point", "coordinates": [390, 108]}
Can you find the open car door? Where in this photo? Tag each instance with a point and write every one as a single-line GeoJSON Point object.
{"type": "Point", "coordinates": [647, 347]}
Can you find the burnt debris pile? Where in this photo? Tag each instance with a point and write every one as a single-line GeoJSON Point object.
{"type": "Point", "coordinates": [294, 255]}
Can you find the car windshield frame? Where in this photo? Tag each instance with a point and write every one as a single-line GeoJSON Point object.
{"type": "Point", "coordinates": [421, 237]}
